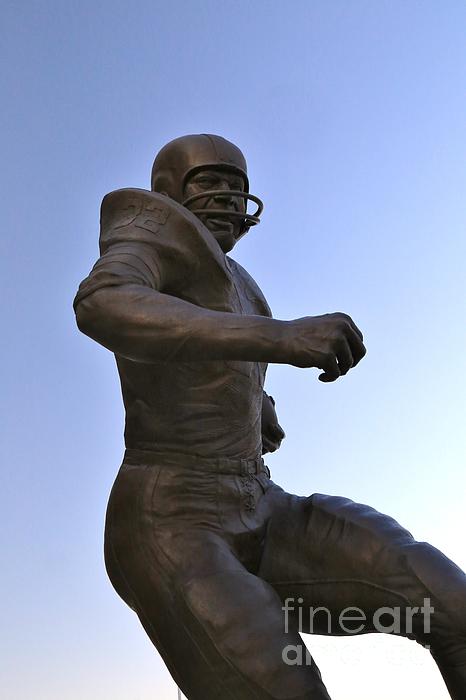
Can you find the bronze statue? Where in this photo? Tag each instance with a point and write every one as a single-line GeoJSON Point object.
{"type": "Point", "coordinates": [223, 567]}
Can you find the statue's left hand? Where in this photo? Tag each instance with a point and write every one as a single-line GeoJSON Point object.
{"type": "Point", "coordinates": [272, 432]}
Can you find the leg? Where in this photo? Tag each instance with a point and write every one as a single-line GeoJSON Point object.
{"type": "Point", "coordinates": [218, 627]}
{"type": "Point", "coordinates": [332, 553]}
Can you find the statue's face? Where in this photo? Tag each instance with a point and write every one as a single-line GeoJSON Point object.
{"type": "Point", "coordinates": [225, 230]}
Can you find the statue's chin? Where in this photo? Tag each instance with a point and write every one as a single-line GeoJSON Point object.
{"type": "Point", "coordinates": [225, 239]}
{"type": "Point", "coordinates": [224, 233]}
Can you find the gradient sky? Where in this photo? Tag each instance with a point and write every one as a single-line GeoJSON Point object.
{"type": "Point", "coordinates": [352, 118]}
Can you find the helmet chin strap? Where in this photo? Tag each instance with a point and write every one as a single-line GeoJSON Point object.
{"type": "Point", "coordinates": [248, 219]}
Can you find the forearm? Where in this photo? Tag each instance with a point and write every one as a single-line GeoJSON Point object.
{"type": "Point", "coordinates": [147, 326]}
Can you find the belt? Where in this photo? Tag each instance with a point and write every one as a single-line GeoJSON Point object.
{"type": "Point", "coordinates": [219, 465]}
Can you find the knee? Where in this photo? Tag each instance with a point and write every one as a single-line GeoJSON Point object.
{"type": "Point", "coordinates": [440, 582]}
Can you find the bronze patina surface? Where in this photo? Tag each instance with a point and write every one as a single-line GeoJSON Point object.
{"type": "Point", "coordinates": [221, 565]}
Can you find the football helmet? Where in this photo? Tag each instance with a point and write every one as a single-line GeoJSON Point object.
{"type": "Point", "coordinates": [186, 155]}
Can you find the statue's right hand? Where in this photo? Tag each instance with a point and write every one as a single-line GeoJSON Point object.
{"type": "Point", "coordinates": [331, 342]}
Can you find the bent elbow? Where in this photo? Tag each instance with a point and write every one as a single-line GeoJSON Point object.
{"type": "Point", "coordinates": [85, 317]}
{"type": "Point", "coordinates": [99, 316]}
{"type": "Point", "coordinates": [90, 316]}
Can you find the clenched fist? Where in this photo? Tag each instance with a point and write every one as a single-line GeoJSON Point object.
{"type": "Point", "coordinates": [331, 342]}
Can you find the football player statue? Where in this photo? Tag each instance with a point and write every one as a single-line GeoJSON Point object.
{"type": "Point", "coordinates": [223, 567]}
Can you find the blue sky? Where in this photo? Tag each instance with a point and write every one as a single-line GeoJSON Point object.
{"type": "Point", "coordinates": [351, 115]}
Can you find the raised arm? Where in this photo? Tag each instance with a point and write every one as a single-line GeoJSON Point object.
{"type": "Point", "coordinates": [125, 303]}
{"type": "Point", "coordinates": [148, 326]}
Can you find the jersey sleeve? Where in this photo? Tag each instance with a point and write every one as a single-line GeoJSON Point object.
{"type": "Point", "coordinates": [122, 264]}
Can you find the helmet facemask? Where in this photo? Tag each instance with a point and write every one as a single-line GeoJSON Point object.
{"type": "Point", "coordinates": [227, 203]}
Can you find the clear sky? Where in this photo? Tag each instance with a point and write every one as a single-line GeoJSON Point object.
{"type": "Point", "coordinates": [352, 117]}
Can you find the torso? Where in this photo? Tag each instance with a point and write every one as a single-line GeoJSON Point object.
{"type": "Point", "coordinates": [203, 408]}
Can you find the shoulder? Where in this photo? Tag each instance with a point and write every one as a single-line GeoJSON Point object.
{"type": "Point", "coordinates": [250, 287]}
{"type": "Point", "coordinates": [161, 229]}
{"type": "Point", "coordinates": [141, 216]}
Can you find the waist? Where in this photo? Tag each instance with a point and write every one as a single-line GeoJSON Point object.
{"type": "Point", "coordinates": [219, 465]}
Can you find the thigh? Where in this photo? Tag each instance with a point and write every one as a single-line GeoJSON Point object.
{"type": "Point", "coordinates": [219, 628]}
{"type": "Point", "coordinates": [326, 554]}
